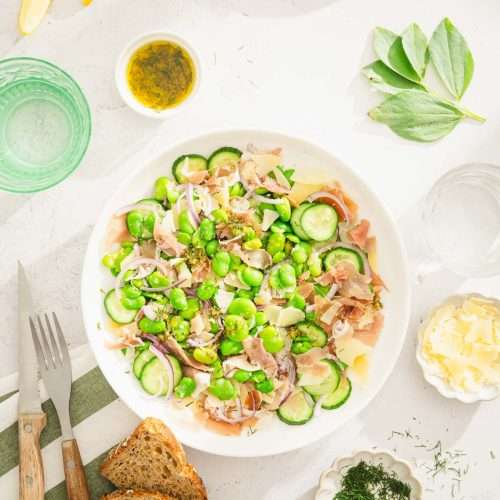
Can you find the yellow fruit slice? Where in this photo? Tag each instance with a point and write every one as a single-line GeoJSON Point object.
{"type": "Point", "coordinates": [31, 15]}
{"type": "Point", "coordinates": [86, 2]}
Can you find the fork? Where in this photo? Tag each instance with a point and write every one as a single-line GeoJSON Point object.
{"type": "Point", "coordinates": [55, 368]}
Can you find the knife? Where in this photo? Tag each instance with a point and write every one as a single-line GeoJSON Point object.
{"type": "Point", "coordinates": [31, 418]}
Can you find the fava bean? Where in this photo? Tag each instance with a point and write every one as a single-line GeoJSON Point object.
{"type": "Point", "coordinates": [235, 261]}
{"type": "Point", "coordinates": [279, 257]}
{"type": "Point", "coordinates": [287, 276]}
{"type": "Point", "coordinates": [271, 339]}
{"type": "Point", "coordinates": [152, 326]}
{"type": "Point", "coordinates": [249, 233]}
{"type": "Point", "coordinates": [178, 299]}
{"type": "Point", "coordinates": [260, 318]}
{"type": "Point", "coordinates": [284, 210]}
{"type": "Point", "coordinates": [297, 301]}
{"type": "Point", "coordinates": [258, 376]}
{"type": "Point", "coordinates": [185, 387]}
{"type": "Point", "coordinates": [251, 276]}
{"type": "Point", "coordinates": [193, 306]}
{"type": "Point", "coordinates": [206, 290]}
{"type": "Point", "coordinates": [130, 291]}
{"type": "Point", "coordinates": [230, 347]}
{"type": "Point", "coordinates": [299, 268]}
{"type": "Point", "coordinates": [236, 328]}
{"type": "Point", "coordinates": [205, 355]}
{"type": "Point", "coordinates": [301, 347]}
{"type": "Point", "coordinates": [314, 265]}
{"type": "Point", "coordinates": [211, 248]}
{"type": "Point", "coordinates": [299, 254]}
{"type": "Point", "coordinates": [133, 304]}
{"type": "Point", "coordinates": [157, 280]}
{"type": "Point", "coordinates": [184, 238]}
{"type": "Point", "coordinates": [242, 307]}
{"type": "Point", "coordinates": [237, 189]}
{"type": "Point", "coordinates": [220, 215]}
{"type": "Point", "coordinates": [254, 244]}
{"type": "Point", "coordinates": [184, 222]}
{"type": "Point", "coordinates": [207, 230]}
{"type": "Point", "coordinates": [246, 294]}
{"type": "Point", "coordinates": [281, 227]}
{"type": "Point", "coordinates": [221, 264]}
{"type": "Point", "coordinates": [161, 188]}
{"type": "Point", "coordinates": [242, 376]}
{"type": "Point", "coordinates": [275, 243]}
{"type": "Point", "coordinates": [180, 328]}
{"type": "Point", "coordinates": [265, 386]}
{"type": "Point", "coordinates": [222, 389]}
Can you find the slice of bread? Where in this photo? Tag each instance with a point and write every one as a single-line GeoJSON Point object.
{"type": "Point", "coordinates": [135, 495]}
{"type": "Point", "coordinates": [152, 459]}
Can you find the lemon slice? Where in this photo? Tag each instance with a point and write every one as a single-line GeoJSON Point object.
{"type": "Point", "coordinates": [31, 15]}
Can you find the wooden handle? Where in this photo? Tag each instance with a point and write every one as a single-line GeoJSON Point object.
{"type": "Point", "coordinates": [76, 482]}
{"type": "Point", "coordinates": [31, 480]}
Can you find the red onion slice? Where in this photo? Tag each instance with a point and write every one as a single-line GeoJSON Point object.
{"type": "Point", "coordinates": [134, 264]}
{"type": "Point", "coordinates": [341, 207]}
{"type": "Point", "coordinates": [190, 202]}
{"type": "Point", "coordinates": [333, 290]}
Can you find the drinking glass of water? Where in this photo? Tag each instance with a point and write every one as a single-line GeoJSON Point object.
{"type": "Point", "coordinates": [461, 220]}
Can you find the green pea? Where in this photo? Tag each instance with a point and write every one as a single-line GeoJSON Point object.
{"type": "Point", "coordinates": [254, 244]}
{"type": "Point", "coordinates": [258, 376]}
{"type": "Point", "coordinates": [242, 307]}
{"type": "Point", "coordinates": [178, 299]}
{"type": "Point", "coordinates": [133, 304]}
{"type": "Point", "coordinates": [236, 328]}
{"type": "Point", "coordinates": [180, 328]}
{"type": "Point", "coordinates": [242, 376]}
{"type": "Point", "coordinates": [230, 347]}
{"type": "Point", "coordinates": [222, 389]}
{"type": "Point", "coordinates": [237, 189]}
{"type": "Point", "coordinates": [157, 280]}
{"type": "Point", "coordinates": [314, 265]}
{"type": "Point", "coordinates": [220, 215]}
{"type": "Point", "coordinates": [281, 227]}
{"type": "Point", "coordinates": [260, 318]}
{"type": "Point", "coordinates": [251, 276]}
{"type": "Point", "coordinates": [211, 248]}
{"type": "Point", "coordinates": [152, 326]}
{"type": "Point", "coordinates": [184, 238]}
{"type": "Point", "coordinates": [193, 306]}
{"type": "Point", "coordinates": [184, 222]}
{"type": "Point", "coordinates": [185, 387]}
{"type": "Point", "coordinates": [279, 257]}
{"type": "Point", "coordinates": [130, 291]}
{"type": "Point", "coordinates": [161, 188]}
{"type": "Point", "coordinates": [207, 230]}
{"type": "Point", "coordinates": [221, 263]}
{"type": "Point", "coordinates": [286, 274]}
{"type": "Point", "coordinates": [301, 347]}
{"type": "Point", "coordinates": [265, 386]}
{"type": "Point", "coordinates": [299, 254]}
{"type": "Point", "coordinates": [284, 210]}
{"type": "Point", "coordinates": [275, 243]}
{"type": "Point", "coordinates": [297, 301]}
{"type": "Point", "coordinates": [205, 355]}
{"type": "Point", "coordinates": [206, 290]}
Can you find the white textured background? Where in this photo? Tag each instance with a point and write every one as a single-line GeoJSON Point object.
{"type": "Point", "coordinates": [286, 65]}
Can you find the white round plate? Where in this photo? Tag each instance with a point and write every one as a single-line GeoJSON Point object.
{"type": "Point", "coordinates": [311, 162]}
{"type": "Point", "coordinates": [331, 480]}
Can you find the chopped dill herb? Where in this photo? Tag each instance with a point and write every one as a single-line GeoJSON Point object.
{"type": "Point", "coordinates": [371, 482]}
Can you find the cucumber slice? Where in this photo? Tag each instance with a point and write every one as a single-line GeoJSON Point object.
{"type": "Point", "coordinates": [154, 376]}
{"type": "Point", "coordinates": [329, 385]}
{"type": "Point", "coordinates": [139, 362]}
{"type": "Point", "coordinates": [319, 221]}
{"type": "Point", "coordinates": [339, 396]}
{"type": "Point", "coordinates": [115, 309]}
{"type": "Point", "coordinates": [344, 255]}
{"type": "Point", "coordinates": [195, 163]}
{"type": "Point", "coordinates": [297, 409]}
{"type": "Point", "coordinates": [314, 333]}
{"type": "Point", "coordinates": [295, 221]}
{"type": "Point", "coordinates": [223, 156]}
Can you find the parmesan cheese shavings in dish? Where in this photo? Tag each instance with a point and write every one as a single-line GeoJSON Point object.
{"type": "Point", "coordinates": [462, 343]}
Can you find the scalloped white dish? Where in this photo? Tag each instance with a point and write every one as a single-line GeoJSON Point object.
{"type": "Point", "coordinates": [273, 436]}
{"type": "Point", "coordinates": [431, 373]}
{"type": "Point", "coordinates": [331, 480]}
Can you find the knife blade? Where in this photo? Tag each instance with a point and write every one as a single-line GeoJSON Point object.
{"type": "Point", "coordinates": [29, 394]}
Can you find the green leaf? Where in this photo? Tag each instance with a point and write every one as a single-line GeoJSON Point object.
{"type": "Point", "coordinates": [389, 48]}
{"type": "Point", "coordinates": [415, 47]}
{"type": "Point", "coordinates": [417, 116]}
{"type": "Point", "coordinates": [386, 80]}
{"type": "Point", "coordinates": [452, 58]}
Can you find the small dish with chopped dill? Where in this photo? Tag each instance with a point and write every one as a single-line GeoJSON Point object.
{"type": "Point", "coordinates": [369, 475]}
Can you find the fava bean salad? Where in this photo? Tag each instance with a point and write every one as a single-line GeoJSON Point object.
{"type": "Point", "coordinates": [242, 291]}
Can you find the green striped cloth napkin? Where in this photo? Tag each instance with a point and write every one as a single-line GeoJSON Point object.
{"type": "Point", "coordinates": [100, 420]}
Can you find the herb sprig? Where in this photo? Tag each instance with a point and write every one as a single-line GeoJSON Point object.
{"type": "Point", "coordinates": [411, 109]}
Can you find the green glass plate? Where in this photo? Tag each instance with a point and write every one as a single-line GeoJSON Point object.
{"type": "Point", "coordinates": [45, 125]}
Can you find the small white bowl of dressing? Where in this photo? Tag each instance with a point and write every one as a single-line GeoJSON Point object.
{"type": "Point", "coordinates": [433, 370]}
{"type": "Point", "coordinates": [158, 74]}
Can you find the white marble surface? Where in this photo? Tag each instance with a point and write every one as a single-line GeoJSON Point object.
{"type": "Point", "coordinates": [286, 65]}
